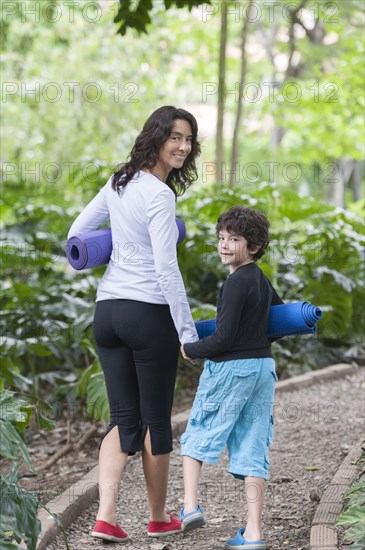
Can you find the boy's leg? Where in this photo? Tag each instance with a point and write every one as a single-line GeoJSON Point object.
{"type": "Point", "coordinates": [221, 395]}
{"type": "Point", "coordinates": [192, 469]}
{"type": "Point", "coordinates": [222, 392]}
{"type": "Point", "coordinates": [255, 492]}
{"type": "Point", "coordinates": [248, 446]}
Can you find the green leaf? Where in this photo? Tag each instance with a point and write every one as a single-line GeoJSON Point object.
{"type": "Point", "coordinates": [11, 444]}
{"type": "Point", "coordinates": [43, 421]}
{"type": "Point", "coordinates": [18, 512]}
{"type": "Point", "coordinates": [356, 531]}
{"type": "Point", "coordinates": [97, 399]}
{"type": "Point", "coordinates": [82, 385]}
{"type": "Point", "coordinates": [357, 487]}
{"type": "Point", "coordinates": [5, 545]}
{"type": "Point", "coordinates": [351, 516]}
{"type": "Point", "coordinates": [15, 410]}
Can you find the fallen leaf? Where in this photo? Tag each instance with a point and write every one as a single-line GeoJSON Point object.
{"type": "Point", "coordinates": [159, 546]}
{"type": "Point", "coordinates": [312, 468]}
{"type": "Point", "coordinates": [216, 520]}
{"type": "Point", "coordinates": [314, 495]}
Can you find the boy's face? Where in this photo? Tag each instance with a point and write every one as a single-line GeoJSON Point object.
{"type": "Point", "coordinates": [233, 251]}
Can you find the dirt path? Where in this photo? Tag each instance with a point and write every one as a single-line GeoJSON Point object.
{"type": "Point", "coordinates": [314, 428]}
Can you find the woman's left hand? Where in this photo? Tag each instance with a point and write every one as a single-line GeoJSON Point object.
{"type": "Point", "coordinates": [192, 361]}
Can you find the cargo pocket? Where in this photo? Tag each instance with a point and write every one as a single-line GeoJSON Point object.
{"type": "Point", "coordinates": [246, 369]}
{"type": "Point", "coordinates": [204, 414]}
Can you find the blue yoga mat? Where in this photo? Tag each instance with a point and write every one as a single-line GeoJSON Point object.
{"type": "Point", "coordinates": [284, 320]}
{"type": "Point", "coordinates": [292, 319]}
{"type": "Point", "coordinates": [94, 248]}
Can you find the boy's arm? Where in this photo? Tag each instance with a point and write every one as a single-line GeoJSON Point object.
{"type": "Point", "coordinates": [232, 302]}
{"type": "Point", "coordinates": [276, 300]}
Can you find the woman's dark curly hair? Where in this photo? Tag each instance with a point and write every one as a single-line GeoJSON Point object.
{"type": "Point", "coordinates": [253, 225]}
{"type": "Point", "coordinates": [145, 153]}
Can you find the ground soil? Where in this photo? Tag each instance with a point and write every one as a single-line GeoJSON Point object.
{"type": "Point", "coordinates": [315, 428]}
{"type": "Point", "coordinates": [43, 445]}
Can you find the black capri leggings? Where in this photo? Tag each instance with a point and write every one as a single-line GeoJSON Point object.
{"type": "Point", "coordinates": [138, 347]}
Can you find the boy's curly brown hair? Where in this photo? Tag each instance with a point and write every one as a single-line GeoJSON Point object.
{"type": "Point", "coordinates": [251, 224]}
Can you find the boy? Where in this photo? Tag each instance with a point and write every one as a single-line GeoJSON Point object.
{"type": "Point", "coordinates": [234, 401]}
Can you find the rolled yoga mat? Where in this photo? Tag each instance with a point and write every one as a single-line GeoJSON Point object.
{"type": "Point", "coordinates": [284, 320]}
{"type": "Point", "coordinates": [94, 248]}
{"type": "Point", "coordinates": [182, 230]}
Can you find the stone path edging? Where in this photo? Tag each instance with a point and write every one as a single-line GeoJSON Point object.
{"type": "Point", "coordinates": [323, 534]}
{"type": "Point", "coordinates": [79, 496]}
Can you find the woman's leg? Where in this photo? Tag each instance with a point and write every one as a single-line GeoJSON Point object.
{"type": "Point", "coordinates": [156, 473]}
{"type": "Point", "coordinates": [124, 433]}
{"type": "Point", "coordinates": [192, 469]}
{"type": "Point", "coordinates": [156, 364]}
{"type": "Point", "coordinates": [255, 492]}
{"type": "Point", "coordinates": [112, 461]}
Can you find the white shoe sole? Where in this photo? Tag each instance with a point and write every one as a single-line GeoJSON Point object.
{"type": "Point", "coordinates": [109, 538]}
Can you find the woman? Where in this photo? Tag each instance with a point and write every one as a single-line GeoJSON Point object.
{"type": "Point", "coordinates": [142, 313]}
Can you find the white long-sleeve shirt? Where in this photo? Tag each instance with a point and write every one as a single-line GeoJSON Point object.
{"type": "Point", "coordinates": [143, 264]}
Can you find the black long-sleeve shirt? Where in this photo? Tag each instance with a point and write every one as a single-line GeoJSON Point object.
{"type": "Point", "coordinates": [243, 307]}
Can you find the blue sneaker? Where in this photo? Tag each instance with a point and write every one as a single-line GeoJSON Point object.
{"type": "Point", "coordinates": [192, 520]}
{"type": "Point", "coordinates": [239, 542]}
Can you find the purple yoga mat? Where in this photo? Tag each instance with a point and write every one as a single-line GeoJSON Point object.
{"type": "Point", "coordinates": [90, 249]}
{"type": "Point", "coordinates": [94, 248]}
{"type": "Point", "coordinates": [182, 230]}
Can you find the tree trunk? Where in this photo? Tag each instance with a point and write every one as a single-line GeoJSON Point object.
{"type": "Point", "coordinates": [337, 183]}
{"type": "Point", "coordinates": [219, 148]}
{"type": "Point", "coordinates": [356, 178]}
{"type": "Point", "coordinates": [235, 152]}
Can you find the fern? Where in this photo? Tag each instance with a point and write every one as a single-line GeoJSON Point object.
{"type": "Point", "coordinates": [353, 514]}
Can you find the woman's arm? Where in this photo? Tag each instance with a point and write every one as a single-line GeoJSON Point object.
{"type": "Point", "coordinates": [92, 216]}
{"type": "Point", "coordinates": [162, 230]}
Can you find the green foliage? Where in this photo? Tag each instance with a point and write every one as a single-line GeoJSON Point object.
{"type": "Point", "coordinates": [138, 16]}
{"type": "Point", "coordinates": [19, 507]}
{"type": "Point", "coordinates": [91, 386]}
{"type": "Point", "coordinates": [18, 513]}
{"type": "Point", "coordinates": [316, 254]}
{"type": "Point", "coordinates": [42, 327]}
{"type": "Point", "coordinates": [353, 514]}
{"type": "Point", "coordinates": [14, 418]}
{"type": "Point", "coordinates": [108, 84]}
{"type": "Point", "coordinates": [57, 153]}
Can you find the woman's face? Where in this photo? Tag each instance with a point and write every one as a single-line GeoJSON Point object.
{"type": "Point", "coordinates": [175, 150]}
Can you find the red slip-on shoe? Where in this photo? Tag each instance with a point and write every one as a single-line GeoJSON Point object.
{"type": "Point", "coordinates": [107, 531]}
{"type": "Point", "coordinates": [164, 528]}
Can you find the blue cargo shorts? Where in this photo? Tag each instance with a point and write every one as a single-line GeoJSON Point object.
{"type": "Point", "coordinates": [233, 407]}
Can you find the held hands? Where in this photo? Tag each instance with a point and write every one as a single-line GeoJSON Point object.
{"type": "Point", "coordinates": [192, 361]}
